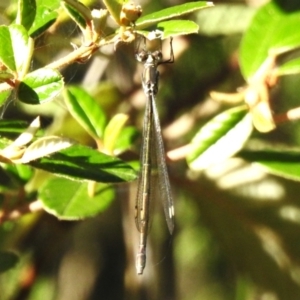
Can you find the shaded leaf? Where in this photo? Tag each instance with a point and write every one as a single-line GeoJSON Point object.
{"type": "Point", "coordinates": [69, 200]}
{"type": "Point", "coordinates": [4, 96]}
{"type": "Point", "coordinates": [12, 127]}
{"type": "Point", "coordinates": [7, 260]}
{"type": "Point", "coordinates": [290, 67]}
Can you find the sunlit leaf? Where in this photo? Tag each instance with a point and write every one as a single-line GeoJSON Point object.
{"type": "Point", "coordinates": [170, 13]}
{"type": "Point", "coordinates": [45, 17]}
{"type": "Point", "coordinates": [177, 27]}
{"type": "Point", "coordinates": [86, 111]}
{"type": "Point", "coordinates": [114, 7]}
{"type": "Point", "coordinates": [271, 28]}
{"type": "Point", "coordinates": [220, 138]}
{"type": "Point", "coordinates": [45, 146]}
{"type": "Point", "coordinates": [29, 133]}
{"type": "Point", "coordinates": [126, 139]}
{"type": "Point", "coordinates": [22, 46]}
{"type": "Point", "coordinates": [40, 86]}
{"type": "Point", "coordinates": [26, 13]}
{"type": "Point", "coordinates": [82, 163]}
{"type": "Point", "coordinates": [7, 57]}
{"type": "Point", "coordinates": [112, 131]}
{"type": "Point", "coordinates": [225, 19]}
{"type": "Point", "coordinates": [275, 159]}
{"type": "Point", "coordinates": [78, 12]}
{"type": "Point", "coordinates": [68, 200]}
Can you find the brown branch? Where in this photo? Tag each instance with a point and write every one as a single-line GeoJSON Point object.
{"type": "Point", "coordinates": [20, 211]}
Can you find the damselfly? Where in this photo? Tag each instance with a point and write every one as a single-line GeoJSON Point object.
{"type": "Point", "coordinates": [153, 180]}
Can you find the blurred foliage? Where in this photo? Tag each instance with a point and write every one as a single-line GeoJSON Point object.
{"type": "Point", "coordinates": [237, 221]}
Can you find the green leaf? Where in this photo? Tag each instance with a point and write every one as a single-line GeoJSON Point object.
{"type": "Point", "coordinates": [7, 57]}
{"type": "Point", "coordinates": [170, 13]}
{"type": "Point", "coordinates": [82, 163]}
{"type": "Point", "coordinates": [40, 86]}
{"type": "Point", "coordinates": [6, 181]}
{"type": "Point", "coordinates": [26, 13]}
{"type": "Point", "coordinates": [177, 27]}
{"type": "Point", "coordinates": [45, 146]}
{"type": "Point", "coordinates": [288, 68]}
{"type": "Point", "coordinates": [126, 139]}
{"type": "Point", "coordinates": [45, 17]}
{"type": "Point", "coordinates": [220, 138]}
{"type": "Point", "coordinates": [114, 7]}
{"type": "Point", "coordinates": [14, 176]}
{"type": "Point", "coordinates": [277, 160]}
{"type": "Point", "coordinates": [15, 48]}
{"type": "Point", "coordinates": [225, 19]}
{"type": "Point", "coordinates": [22, 46]}
{"type": "Point", "coordinates": [7, 260]}
{"type": "Point", "coordinates": [112, 131]}
{"type": "Point", "coordinates": [78, 12]}
{"type": "Point", "coordinates": [68, 200]}
{"type": "Point", "coordinates": [86, 111]}
{"type": "Point", "coordinates": [4, 96]}
{"type": "Point", "coordinates": [270, 29]}
{"type": "Point", "coordinates": [12, 127]}
{"type": "Point", "coordinates": [4, 75]}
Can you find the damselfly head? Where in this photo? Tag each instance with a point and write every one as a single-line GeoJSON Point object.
{"type": "Point", "coordinates": [157, 55]}
{"type": "Point", "coordinates": [142, 56]}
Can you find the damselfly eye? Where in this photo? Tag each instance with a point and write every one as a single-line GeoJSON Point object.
{"type": "Point", "coordinates": [141, 56]}
{"type": "Point", "coordinates": [157, 55]}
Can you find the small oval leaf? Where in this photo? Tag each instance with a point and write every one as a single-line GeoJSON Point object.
{"type": "Point", "coordinates": [177, 27]}
{"type": "Point", "coordinates": [45, 146]}
{"type": "Point", "coordinates": [112, 132]}
{"type": "Point", "coordinates": [26, 13]}
{"type": "Point", "coordinates": [271, 28]}
{"type": "Point", "coordinates": [275, 159]}
{"type": "Point", "coordinates": [7, 57]}
{"type": "Point", "coordinates": [82, 163]}
{"type": "Point", "coordinates": [170, 13]}
{"type": "Point", "coordinates": [220, 138]}
{"type": "Point", "coordinates": [40, 86]}
{"type": "Point", "coordinates": [86, 111]}
{"type": "Point", "coordinates": [69, 200]}
{"type": "Point", "coordinates": [45, 17]}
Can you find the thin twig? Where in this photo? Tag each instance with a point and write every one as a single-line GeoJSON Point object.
{"type": "Point", "coordinates": [20, 211]}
